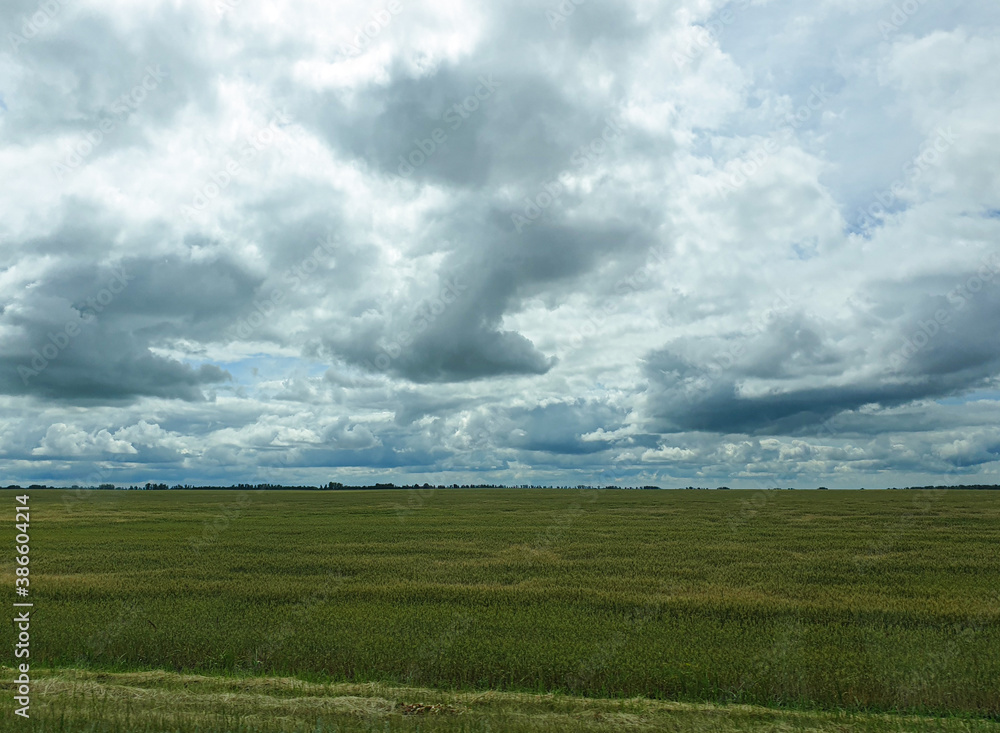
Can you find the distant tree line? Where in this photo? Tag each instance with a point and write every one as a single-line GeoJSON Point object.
{"type": "Point", "coordinates": [337, 486]}
{"type": "Point", "coordinates": [331, 486]}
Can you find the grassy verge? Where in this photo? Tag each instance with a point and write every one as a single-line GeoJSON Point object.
{"type": "Point", "coordinates": [80, 700]}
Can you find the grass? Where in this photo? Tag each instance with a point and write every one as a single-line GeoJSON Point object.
{"type": "Point", "coordinates": [167, 701]}
{"type": "Point", "coordinates": [800, 604]}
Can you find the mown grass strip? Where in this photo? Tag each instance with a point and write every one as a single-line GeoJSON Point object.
{"type": "Point", "coordinates": [82, 700]}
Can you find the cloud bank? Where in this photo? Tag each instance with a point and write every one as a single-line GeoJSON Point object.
{"type": "Point", "coordinates": [678, 242]}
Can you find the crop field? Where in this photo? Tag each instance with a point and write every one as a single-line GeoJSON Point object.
{"type": "Point", "coordinates": [513, 610]}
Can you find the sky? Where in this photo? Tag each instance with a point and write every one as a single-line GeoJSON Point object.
{"type": "Point", "coordinates": [679, 242]}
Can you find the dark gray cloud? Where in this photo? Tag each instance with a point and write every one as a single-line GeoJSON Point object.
{"type": "Point", "coordinates": [455, 334]}
{"type": "Point", "coordinates": [83, 332]}
{"type": "Point", "coordinates": [936, 347]}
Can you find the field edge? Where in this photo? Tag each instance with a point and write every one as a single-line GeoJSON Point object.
{"type": "Point", "coordinates": [67, 699]}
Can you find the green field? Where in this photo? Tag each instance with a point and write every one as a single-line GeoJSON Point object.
{"type": "Point", "coordinates": [663, 610]}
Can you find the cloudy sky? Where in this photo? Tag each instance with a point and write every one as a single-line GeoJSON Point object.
{"type": "Point", "coordinates": [681, 242]}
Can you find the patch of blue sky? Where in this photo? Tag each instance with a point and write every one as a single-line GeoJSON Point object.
{"type": "Point", "coordinates": [979, 396]}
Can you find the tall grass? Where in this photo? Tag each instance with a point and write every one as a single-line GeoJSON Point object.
{"type": "Point", "coordinates": [873, 601]}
